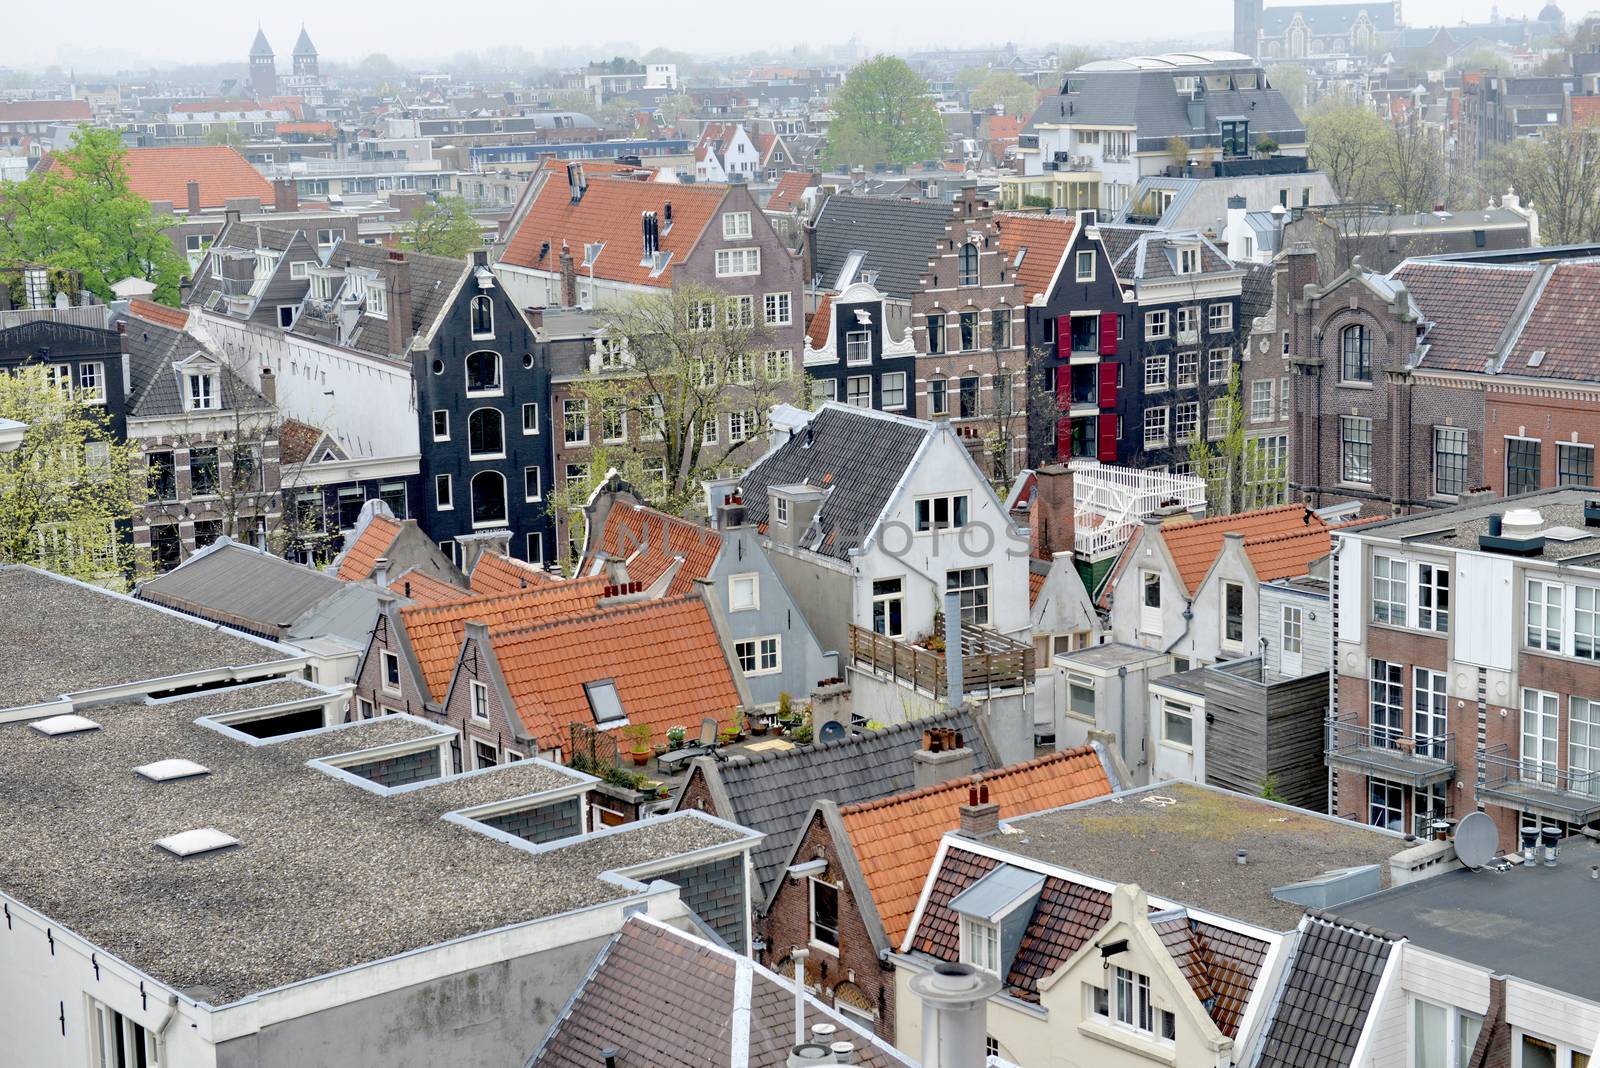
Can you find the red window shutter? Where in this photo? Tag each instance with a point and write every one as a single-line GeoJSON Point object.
{"type": "Point", "coordinates": [1063, 336]}
{"type": "Point", "coordinates": [1108, 333]}
{"type": "Point", "coordinates": [1108, 384]}
{"type": "Point", "coordinates": [1106, 453]}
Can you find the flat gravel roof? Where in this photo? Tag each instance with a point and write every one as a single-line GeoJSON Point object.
{"type": "Point", "coordinates": [327, 875]}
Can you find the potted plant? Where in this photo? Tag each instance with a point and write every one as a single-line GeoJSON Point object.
{"type": "Point", "coordinates": [675, 736]}
{"type": "Point", "coordinates": [728, 735]}
{"type": "Point", "coordinates": [639, 735]}
{"type": "Point", "coordinates": [1266, 148]}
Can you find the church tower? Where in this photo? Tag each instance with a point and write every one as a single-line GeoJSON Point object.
{"type": "Point", "coordinates": [1247, 26]}
{"type": "Point", "coordinates": [263, 68]}
{"type": "Point", "coordinates": [305, 55]}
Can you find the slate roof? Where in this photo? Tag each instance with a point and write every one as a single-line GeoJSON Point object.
{"type": "Point", "coordinates": [303, 45]}
{"type": "Point", "coordinates": [772, 792]}
{"type": "Point", "coordinates": [244, 587]}
{"type": "Point", "coordinates": [610, 213]}
{"type": "Point", "coordinates": [651, 543]}
{"type": "Point", "coordinates": [898, 236]}
{"type": "Point", "coordinates": [664, 657]}
{"type": "Point", "coordinates": [856, 455]}
{"type": "Point", "coordinates": [495, 574]}
{"type": "Point", "coordinates": [664, 998]}
{"type": "Point", "coordinates": [1562, 325]}
{"type": "Point", "coordinates": [152, 350]}
{"type": "Point", "coordinates": [1039, 241]}
{"type": "Point", "coordinates": [1329, 986]}
{"type": "Point", "coordinates": [895, 838]}
{"type": "Point", "coordinates": [1327, 19]}
{"type": "Point", "coordinates": [260, 47]}
{"type": "Point", "coordinates": [363, 553]}
{"type": "Point", "coordinates": [434, 280]}
{"type": "Point", "coordinates": [1150, 254]}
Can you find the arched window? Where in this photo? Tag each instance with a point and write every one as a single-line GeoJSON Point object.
{"type": "Point", "coordinates": [1355, 354]}
{"type": "Point", "coordinates": [967, 273]}
{"type": "Point", "coordinates": [483, 372]}
{"type": "Point", "coordinates": [482, 317]}
{"type": "Point", "coordinates": [488, 499]}
{"type": "Point", "coordinates": [486, 434]}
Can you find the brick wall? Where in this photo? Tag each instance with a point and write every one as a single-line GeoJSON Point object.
{"type": "Point", "coordinates": [546, 823]}
{"type": "Point", "coordinates": [697, 795]}
{"type": "Point", "coordinates": [497, 730]}
{"type": "Point", "coordinates": [400, 770]}
{"type": "Point", "coordinates": [1548, 415]}
{"type": "Point", "coordinates": [715, 890]}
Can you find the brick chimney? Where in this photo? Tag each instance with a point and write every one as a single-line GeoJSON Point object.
{"type": "Point", "coordinates": [980, 817]}
{"type": "Point", "coordinates": [1051, 520]}
{"type": "Point", "coordinates": [285, 196]}
{"type": "Point", "coordinates": [269, 386]}
{"type": "Point", "coordinates": [399, 281]}
{"type": "Point", "coordinates": [944, 757]}
{"type": "Point", "coordinates": [569, 278]}
{"type": "Point", "coordinates": [193, 188]}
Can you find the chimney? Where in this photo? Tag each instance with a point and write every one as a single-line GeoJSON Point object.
{"type": "Point", "coordinates": [475, 546]}
{"type": "Point", "coordinates": [1233, 234]}
{"type": "Point", "coordinates": [954, 1000]}
{"type": "Point", "coordinates": [269, 386]}
{"type": "Point", "coordinates": [569, 279]}
{"type": "Point", "coordinates": [399, 282]}
{"type": "Point", "coordinates": [944, 757]}
{"type": "Point", "coordinates": [285, 196]}
{"type": "Point", "coordinates": [1052, 519]}
{"type": "Point", "coordinates": [194, 196]}
{"type": "Point", "coordinates": [380, 571]}
{"type": "Point", "coordinates": [731, 515]}
{"type": "Point", "coordinates": [980, 817]}
{"type": "Point", "coordinates": [535, 317]}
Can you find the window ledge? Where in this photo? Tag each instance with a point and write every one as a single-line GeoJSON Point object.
{"type": "Point", "coordinates": [1153, 1049]}
{"type": "Point", "coordinates": [823, 947]}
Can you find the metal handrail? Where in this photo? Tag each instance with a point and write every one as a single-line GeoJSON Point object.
{"type": "Point", "coordinates": [1346, 735]}
{"type": "Point", "coordinates": [1502, 769]}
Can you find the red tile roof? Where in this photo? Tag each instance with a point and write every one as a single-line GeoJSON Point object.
{"type": "Point", "coordinates": [314, 129]}
{"type": "Point", "coordinates": [44, 111]}
{"type": "Point", "coordinates": [423, 588]}
{"type": "Point", "coordinates": [790, 189]}
{"type": "Point", "coordinates": [435, 631]}
{"type": "Point", "coordinates": [165, 173]}
{"type": "Point", "coordinates": [1005, 127]}
{"type": "Point", "coordinates": [1585, 109]}
{"type": "Point", "coordinates": [821, 322]}
{"type": "Point", "coordinates": [362, 555]}
{"type": "Point", "coordinates": [609, 212]}
{"type": "Point", "coordinates": [1045, 237]}
{"type": "Point", "coordinates": [664, 658]}
{"type": "Point", "coordinates": [1194, 546]}
{"type": "Point", "coordinates": [895, 838]}
{"type": "Point", "coordinates": [650, 542]}
{"type": "Point", "coordinates": [296, 440]}
{"type": "Point", "coordinates": [160, 314]}
{"type": "Point", "coordinates": [1035, 584]}
{"type": "Point", "coordinates": [496, 574]}
{"type": "Point", "coordinates": [1562, 325]}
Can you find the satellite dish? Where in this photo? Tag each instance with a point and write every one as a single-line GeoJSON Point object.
{"type": "Point", "coordinates": [831, 731]}
{"type": "Point", "coordinates": [1477, 839]}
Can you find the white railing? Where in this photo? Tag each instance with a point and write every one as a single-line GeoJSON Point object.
{"type": "Point", "coordinates": [93, 315]}
{"type": "Point", "coordinates": [1110, 502]}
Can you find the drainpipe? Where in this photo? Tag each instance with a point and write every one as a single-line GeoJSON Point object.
{"type": "Point", "coordinates": [799, 957]}
{"type": "Point", "coordinates": [955, 694]}
{"type": "Point", "coordinates": [166, 1022]}
{"type": "Point", "coordinates": [1122, 711]}
{"type": "Point", "coordinates": [1188, 617]}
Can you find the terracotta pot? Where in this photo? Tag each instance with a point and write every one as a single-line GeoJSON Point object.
{"type": "Point", "coordinates": [640, 759]}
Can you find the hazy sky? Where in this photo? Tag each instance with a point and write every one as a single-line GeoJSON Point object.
{"type": "Point", "coordinates": [99, 34]}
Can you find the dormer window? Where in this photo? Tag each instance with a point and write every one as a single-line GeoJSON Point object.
{"type": "Point", "coordinates": [324, 284]}
{"type": "Point", "coordinates": [378, 301]}
{"type": "Point", "coordinates": [980, 945]}
{"type": "Point", "coordinates": [613, 353]}
{"type": "Point", "coordinates": [1188, 261]}
{"type": "Point", "coordinates": [200, 391]}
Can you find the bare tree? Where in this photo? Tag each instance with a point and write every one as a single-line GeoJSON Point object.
{"type": "Point", "coordinates": [1559, 174]}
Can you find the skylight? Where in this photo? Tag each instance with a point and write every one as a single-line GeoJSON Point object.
{"type": "Point", "coordinates": [195, 842]}
{"type": "Point", "coordinates": [68, 724]}
{"type": "Point", "coordinates": [168, 770]}
{"type": "Point", "coordinates": [605, 703]}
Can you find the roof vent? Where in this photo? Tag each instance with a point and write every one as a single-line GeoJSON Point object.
{"type": "Point", "coordinates": [1515, 533]}
{"type": "Point", "coordinates": [168, 770]}
{"type": "Point", "coordinates": [68, 724]}
{"type": "Point", "coordinates": [195, 842]}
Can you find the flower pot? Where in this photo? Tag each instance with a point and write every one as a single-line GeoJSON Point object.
{"type": "Point", "coordinates": [758, 729]}
{"type": "Point", "coordinates": [640, 758]}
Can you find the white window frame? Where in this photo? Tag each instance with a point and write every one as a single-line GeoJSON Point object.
{"type": "Point", "coordinates": [92, 382]}
{"type": "Point", "coordinates": [750, 581]}
{"type": "Point", "coordinates": [386, 661]}
{"type": "Point", "coordinates": [893, 384]}
{"type": "Point", "coordinates": [1084, 256]}
{"type": "Point", "coordinates": [530, 410]}
{"type": "Point", "coordinates": [1156, 422]}
{"type": "Point", "coordinates": [1219, 358]}
{"type": "Point", "coordinates": [1176, 710]}
{"type": "Point", "coordinates": [1187, 415]}
{"type": "Point", "coordinates": [445, 435]}
{"type": "Point", "coordinates": [1155, 372]}
{"type": "Point", "coordinates": [811, 916]}
{"type": "Point", "coordinates": [538, 485]}
{"type": "Point", "coordinates": [574, 408]}
{"type": "Point", "coordinates": [777, 308]}
{"type": "Point", "coordinates": [957, 508]}
{"type": "Point", "coordinates": [980, 944]}
{"type": "Point", "coordinates": [200, 391]}
{"type": "Point", "coordinates": [1432, 603]}
{"type": "Point", "coordinates": [1157, 325]}
{"type": "Point", "coordinates": [1549, 632]}
{"type": "Point", "coordinates": [1391, 590]}
{"type": "Point", "coordinates": [1262, 402]}
{"type": "Point", "coordinates": [1186, 371]}
{"type": "Point", "coordinates": [478, 701]}
{"type": "Point", "coordinates": [738, 262]}
{"type": "Point", "coordinates": [1219, 318]}
{"type": "Point", "coordinates": [736, 225]}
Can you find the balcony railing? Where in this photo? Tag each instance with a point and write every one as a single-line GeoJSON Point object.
{"type": "Point", "coordinates": [1532, 786]}
{"type": "Point", "coordinates": [1390, 754]}
{"type": "Point", "coordinates": [989, 661]}
{"type": "Point", "coordinates": [1110, 502]}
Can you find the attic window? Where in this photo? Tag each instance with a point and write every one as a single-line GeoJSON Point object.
{"type": "Point", "coordinates": [195, 842]}
{"type": "Point", "coordinates": [168, 770]}
{"type": "Point", "coordinates": [1537, 358]}
{"type": "Point", "coordinates": [68, 724]}
{"type": "Point", "coordinates": [605, 703]}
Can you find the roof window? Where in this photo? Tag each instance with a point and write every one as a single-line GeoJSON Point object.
{"type": "Point", "coordinates": [168, 770]}
{"type": "Point", "coordinates": [194, 843]}
{"type": "Point", "coordinates": [605, 703]}
{"type": "Point", "coordinates": [68, 724]}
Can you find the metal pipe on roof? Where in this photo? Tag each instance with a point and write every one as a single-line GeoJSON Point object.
{"type": "Point", "coordinates": [799, 957]}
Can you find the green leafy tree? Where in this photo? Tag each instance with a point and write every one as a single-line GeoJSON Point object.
{"type": "Point", "coordinates": [225, 134]}
{"type": "Point", "coordinates": [68, 487]}
{"type": "Point", "coordinates": [1348, 144]}
{"type": "Point", "coordinates": [80, 213]}
{"type": "Point", "coordinates": [1015, 94]}
{"type": "Point", "coordinates": [1292, 80]}
{"type": "Point", "coordinates": [883, 114]}
{"type": "Point", "coordinates": [970, 77]}
{"type": "Point", "coordinates": [572, 100]}
{"type": "Point", "coordinates": [1239, 473]}
{"type": "Point", "coordinates": [675, 107]}
{"type": "Point", "coordinates": [442, 228]}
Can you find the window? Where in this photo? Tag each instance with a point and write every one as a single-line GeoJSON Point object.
{"type": "Point", "coordinates": [202, 391]}
{"type": "Point", "coordinates": [775, 363]}
{"type": "Point", "coordinates": [888, 607]}
{"type": "Point", "coordinates": [530, 418]}
{"type": "Point", "coordinates": [935, 334]}
{"type": "Point", "coordinates": [441, 493]}
{"type": "Point", "coordinates": [858, 391]}
{"type": "Point", "coordinates": [391, 671]}
{"type": "Point", "coordinates": [1188, 369]}
{"type": "Point", "coordinates": [971, 585]}
{"type": "Point", "coordinates": [575, 422]}
{"type": "Point", "coordinates": [1177, 724]}
{"type": "Point", "coordinates": [1080, 696]}
{"type": "Point", "coordinates": [893, 387]}
{"type": "Point", "coordinates": [858, 347]}
{"type": "Point", "coordinates": [576, 474]}
{"type": "Point", "coordinates": [613, 421]}
{"type": "Point", "coordinates": [1449, 461]}
{"type": "Point", "coordinates": [488, 499]}
{"type": "Point", "coordinates": [757, 656]}
{"type": "Point", "coordinates": [709, 428]}
{"type": "Point", "coordinates": [1155, 428]}
{"type": "Point", "coordinates": [1186, 427]}
{"type": "Point", "coordinates": [980, 945]}
{"type": "Point", "coordinates": [534, 543]}
{"type": "Point", "coordinates": [364, 708]}
{"type": "Point", "coordinates": [1387, 708]}
{"type": "Point", "coordinates": [1586, 622]}
{"type": "Point", "coordinates": [378, 301]}
{"type": "Point", "coordinates": [1385, 805]}
{"type": "Point", "coordinates": [732, 262]}
{"type": "Point", "coordinates": [735, 225]}
{"type": "Point", "coordinates": [1355, 449]}
{"type": "Point", "coordinates": [741, 312]}
{"type": "Point", "coordinates": [744, 593]}
{"type": "Point", "coordinates": [328, 238]}
{"type": "Point", "coordinates": [532, 484]}
{"type": "Point", "coordinates": [92, 382]}
{"type": "Point", "coordinates": [967, 330]}
{"type": "Point", "coordinates": [1389, 590]}
{"type": "Point", "coordinates": [1217, 419]}
{"type": "Point", "coordinates": [203, 472]}
{"type": "Point", "coordinates": [824, 914]}
{"type": "Point", "coordinates": [1156, 325]}
{"type": "Point", "coordinates": [741, 424]}
{"type": "Point", "coordinates": [1133, 1001]}
{"type": "Point", "coordinates": [1574, 464]}
{"type": "Point", "coordinates": [1285, 398]}
{"type": "Point", "coordinates": [484, 755]}
{"type": "Point", "coordinates": [1522, 465]}
{"type": "Point", "coordinates": [777, 310]}
{"type": "Point", "coordinates": [1188, 260]}
{"type": "Point", "coordinates": [1261, 401]}
{"type": "Point", "coordinates": [1433, 597]}
{"type": "Point", "coordinates": [118, 1042]}
{"type": "Point", "coordinates": [483, 372]}
{"type": "Point", "coordinates": [1155, 372]}
{"type": "Point", "coordinates": [613, 352]}
{"type": "Point", "coordinates": [482, 315]}
{"type": "Point", "coordinates": [1541, 724]}
{"type": "Point", "coordinates": [486, 439]}
{"type": "Point", "coordinates": [938, 396]}
{"type": "Point", "coordinates": [1293, 630]}
{"type": "Point", "coordinates": [1085, 266]}
{"type": "Point", "coordinates": [1219, 318]}
{"type": "Point", "coordinates": [1583, 749]}
{"type": "Point", "coordinates": [1233, 612]}
{"type": "Point", "coordinates": [1429, 722]}
{"type": "Point", "coordinates": [942, 513]}
{"type": "Point", "coordinates": [1355, 354]}
{"type": "Point", "coordinates": [1188, 324]}
{"type": "Point", "coordinates": [967, 397]}
{"type": "Point", "coordinates": [967, 265]}
{"type": "Point", "coordinates": [1219, 366]}
{"type": "Point", "coordinates": [1000, 328]}
{"type": "Point", "coordinates": [780, 511]}
{"type": "Point", "coordinates": [1100, 1001]}
{"type": "Point", "coordinates": [1543, 615]}
{"type": "Point", "coordinates": [703, 315]}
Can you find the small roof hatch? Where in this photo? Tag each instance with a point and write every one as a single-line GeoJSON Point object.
{"type": "Point", "coordinates": [193, 843]}
{"type": "Point", "coordinates": [168, 770]}
{"type": "Point", "coordinates": [68, 724]}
